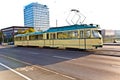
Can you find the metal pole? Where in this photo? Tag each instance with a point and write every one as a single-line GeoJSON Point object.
{"type": "Point", "coordinates": [56, 23]}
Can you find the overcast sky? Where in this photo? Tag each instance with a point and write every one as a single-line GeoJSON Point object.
{"type": "Point", "coordinates": [106, 13]}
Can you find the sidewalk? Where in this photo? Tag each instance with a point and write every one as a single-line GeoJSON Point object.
{"type": "Point", "coordinates": [6, 46]}
{"type": "Point", "coordinates": [112, 44]}
{"type": "Point", "coordinates": [111, 47]}
{"type": "Point", "coordinates": [109, 50]}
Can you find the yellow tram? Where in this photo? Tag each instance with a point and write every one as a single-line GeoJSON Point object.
{"type": "Point", "coordinates": [74, 36]}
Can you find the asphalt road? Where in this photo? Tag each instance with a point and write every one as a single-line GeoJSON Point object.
{"type": "Point", "coordinates": [22, 63]}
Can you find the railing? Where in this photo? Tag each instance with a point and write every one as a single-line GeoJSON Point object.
{"type": "Point", "coordinates": [111, 40]}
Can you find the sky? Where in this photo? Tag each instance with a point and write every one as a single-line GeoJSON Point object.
{"type": "Point", "coordinates": [105, 13]}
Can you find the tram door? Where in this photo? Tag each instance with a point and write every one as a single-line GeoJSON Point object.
{"type": "Point", "coordinates": [82, 40]}
{"type": "Point", "coordinates": [51, 40]}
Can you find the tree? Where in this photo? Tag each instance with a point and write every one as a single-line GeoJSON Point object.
{"type": "Point", "coordinates": [20, 31]}
{"type": "Point", "coordinates": [29, 30]}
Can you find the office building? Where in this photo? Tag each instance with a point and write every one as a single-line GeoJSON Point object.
{"type": "Point", "coordinates": [36, 15]}
{"type": "Point", "coordinates": [9, 33]}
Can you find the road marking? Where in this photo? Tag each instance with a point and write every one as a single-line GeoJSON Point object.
{"type": "Point", "coordinates": [115, 65]}
{"type": "Point", "coordinates": [55, 72]}
{"type": "Point", "coordinates": [62, 57]}
{"type": "Point", "coordinates": [33, 53]}
{"type": "Point", "coordinates": [15, 59]}
{"type": "Point", "coordinates": [27, 78]}
{"type": "Point", "coordinates": [40, 67]}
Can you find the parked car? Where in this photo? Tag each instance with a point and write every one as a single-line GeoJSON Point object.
{"type": "Point", "coordinates": [10, 43]}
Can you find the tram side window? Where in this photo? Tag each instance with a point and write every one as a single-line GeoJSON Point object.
{"type": "Point", "coordinates": [36, 37]}
{"type": "Point", "coordinates": [69, 34]}
{"type": "Point", "coordinates": [66, 35]}
{"type": "Point", "coordinates": [96, 34]}
{"type": "Point", "coordinates": [52, 35]}
{"type": "Point", "coordinates": [24, 38]}
{"type": "Point", "coordinates": [74, 34]}
{"type": "Point", "coordinates": [62, 35]}
{"type": "Point", "coordinates": [40, 36]}
{"type": "Point", "coordinates": [81, 34]}
{"type": "Point", "coordinates": [88, 34]}
{"type": "Point", "coordinates": [59, 35]}
{"type": "Point", "coordinates": [17, 39]}
{"type": "Point", "coordinates": [20, 38]}
{"type": "Point", "coordinates": [32, 37]}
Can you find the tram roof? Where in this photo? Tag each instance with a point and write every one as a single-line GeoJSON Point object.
{"type": "Point", "coordinates": [32, 33]}
{"type": "Point", "coordinates": [20, 35]}
{"type": "Point", "coordinates": [72, 27]}
{"type": "Point", "coordinates": [60, 29]}
{"type": "Point", "coordinates": [35, 33]}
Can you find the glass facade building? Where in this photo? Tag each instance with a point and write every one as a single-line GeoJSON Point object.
{"type": "Point", "coordinates": [9, 33]}
{"type": "Point", "coordinates": [36, 15]}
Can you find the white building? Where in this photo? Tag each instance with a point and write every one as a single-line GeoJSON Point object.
{"type": "Point", "coordinates": [36, 15]}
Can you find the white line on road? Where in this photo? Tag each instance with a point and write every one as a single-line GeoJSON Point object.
{"type": "Point", "coordinates": [15, 71]}
{"type": "Point", "coordinates": [40, 67]}
{"type": "Point", "coordinates": [55, 72]}
{"type": "Point", "coordinates": [62, 57]}
{"type": "Point", "coordinates": [33, 53]}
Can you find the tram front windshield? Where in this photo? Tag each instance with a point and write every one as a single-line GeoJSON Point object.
{"type": "Point", "coordinates": [96, 34]}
